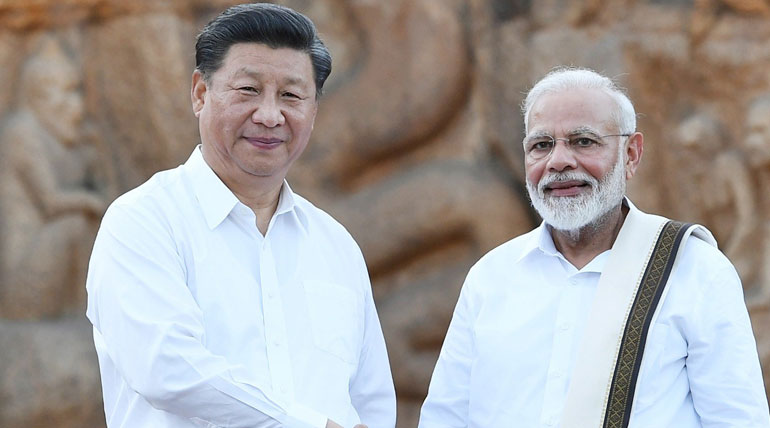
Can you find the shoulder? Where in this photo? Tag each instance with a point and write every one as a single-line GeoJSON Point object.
{"type": "Point", "coordinates": [156, 200]}
{"type": "Point", "coordinates": [699, 256]}
{"type": "Point", "coordinates": [506, 258]}
{"type": "Point", "coordinates": [319, 221]}
{"type": "Point", "coordinates": [509, 251]}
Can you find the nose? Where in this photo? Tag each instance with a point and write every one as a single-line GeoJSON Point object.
{"type": "Point", "coordinates": [268, 113]}
{"type": "Point", "coordinates": [562, 157]}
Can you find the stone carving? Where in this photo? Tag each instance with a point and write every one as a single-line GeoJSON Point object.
{"type": "Point", "coordinates": [756, 144]}
{"type": "Point", "coordinates": [50, 203]}
{"type": "Point", "coordinates": [416, 150]}
{"type": "Point", "coordinates": [47, 376]}
{"type": "Point", "coordinates": [706, 12]}
{"type": "Point", "coordinates": [720, 192]}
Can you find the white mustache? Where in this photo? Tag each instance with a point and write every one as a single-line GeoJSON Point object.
{"type": "Point", "coordinates": [566, 176]}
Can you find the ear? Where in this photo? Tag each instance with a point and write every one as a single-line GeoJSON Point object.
{"type": "Point", "coordinates": [198, 92]}
{"type": "Point", "coordinates": [633, 153]}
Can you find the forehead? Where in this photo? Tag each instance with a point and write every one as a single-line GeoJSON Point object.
{"type": "Point", "coordinates": [260, 60]}
{"type": "Point", "coordinates": [567, 110]}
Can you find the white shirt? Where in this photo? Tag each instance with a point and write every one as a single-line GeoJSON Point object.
{"type": "Point", "coordinates": [508, 355]}
{"type": "Point", "coordinates": [199, 320]}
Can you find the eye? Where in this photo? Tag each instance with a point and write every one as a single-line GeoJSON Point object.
{"type": "Point", "coordinates": [540, 145]}
{"type": "Point", "coordinates": [291, 95]}
{"type": "Point", "coordinates": [582, 141]}
{"type": "Point", "coordinates": [249, 89]}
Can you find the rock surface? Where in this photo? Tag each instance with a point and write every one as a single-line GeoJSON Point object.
{"type": "Point", "coordinates": [416, 150]}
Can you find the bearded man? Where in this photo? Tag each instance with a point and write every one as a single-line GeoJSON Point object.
{"type": "Point", "coordinates": [603, 315]}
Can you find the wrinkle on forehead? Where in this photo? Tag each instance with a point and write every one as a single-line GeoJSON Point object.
{"type": "Point", "coordinates": [258, 75]}
{"type": "Point", "coordinates": [580, 130]}
{"type": "Point", "coordinates": [593, 107]}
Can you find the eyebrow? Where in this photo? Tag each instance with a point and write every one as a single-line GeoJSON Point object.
{"type": "Point", "coordinates": [250, 72]}
{"type": "Point", "coordinates": [576, 131]}
{"type": "Point", "coordinates": [583, 130]}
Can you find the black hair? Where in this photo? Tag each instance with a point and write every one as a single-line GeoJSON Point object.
{"type": "Point", "coordinates": [272, 25]}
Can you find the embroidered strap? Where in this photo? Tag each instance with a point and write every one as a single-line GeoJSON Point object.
{"type": "Point", "coordinates": [621, 394]}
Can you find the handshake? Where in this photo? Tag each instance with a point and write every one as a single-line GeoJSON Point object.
{"type": "Point", "coordinates": [332, 424]}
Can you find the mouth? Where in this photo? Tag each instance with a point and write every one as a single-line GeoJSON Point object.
{"type": "Point", "coordinates": [264, 142]}
{"type": "Point", "coordinates": [566, 188]}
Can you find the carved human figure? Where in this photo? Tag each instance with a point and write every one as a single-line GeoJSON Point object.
{"type": "Point", "coordinates": [717, 190]}
{"type": "Point", "coordinates": [47, 196]}
{"type": "Point", "coordinates": [756, 145]}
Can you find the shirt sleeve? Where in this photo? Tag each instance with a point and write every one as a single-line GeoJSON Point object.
{"type": "Point", "coordinates": [371, 389]}
{"type": "Point", "coordinates": [722, 361]}
{"type": "Point", "coordinates": [446, 405]}
{"type": "Point", "coordinates": [153, 330]}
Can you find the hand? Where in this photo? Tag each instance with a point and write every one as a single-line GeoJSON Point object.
{"type": "Point", "coordinates": [332, 424]}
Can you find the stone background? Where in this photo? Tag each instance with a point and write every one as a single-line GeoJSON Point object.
{"type": "Point", "coordinates": [416, 150]}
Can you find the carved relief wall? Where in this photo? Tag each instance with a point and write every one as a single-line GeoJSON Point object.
{"type": "Point", "coordinates": [416, 149]}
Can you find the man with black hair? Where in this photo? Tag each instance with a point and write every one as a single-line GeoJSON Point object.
{"type": "Point", "coordinates": [218, 296]}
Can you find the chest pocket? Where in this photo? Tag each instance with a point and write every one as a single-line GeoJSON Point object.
{"type": "Point", "coordinates": [335, 317]}
{"type": "Point", "coordinates": [664, 362]}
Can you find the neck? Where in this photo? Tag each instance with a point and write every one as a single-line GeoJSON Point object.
{"type": "Point", "coordinates": [581, 246]}
{"type": "Point", "coordinates": [263, 204]}
{"type": "Point", "coordinates": [261, 194]}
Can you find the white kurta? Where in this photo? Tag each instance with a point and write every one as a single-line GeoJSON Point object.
{"type": "Point", "coordinates": [508, 356]}
{"type": "Point", "coordinates": [199, 320]}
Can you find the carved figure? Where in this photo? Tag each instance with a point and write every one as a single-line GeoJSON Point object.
{"type": "Point", "coordinates": [756, 144]}
{"type": "Point", "coordinates": [716, 190]}
{"type": "Point", "coordinates": [47, 198]}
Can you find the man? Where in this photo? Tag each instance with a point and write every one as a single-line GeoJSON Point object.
{"type": "Point", "coordinates": [551, 327]}
{"type": "Point", "coordinates": [218, 296]}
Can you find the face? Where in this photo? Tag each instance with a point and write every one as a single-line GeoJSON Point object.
{"type": "Point", "coordinates": [572, 188]}
{"type": "Point", "coordinates": [58, 103]}
{"type": "Point", "coordinates": [256, 112]}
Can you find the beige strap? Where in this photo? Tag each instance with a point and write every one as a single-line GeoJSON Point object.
{"type": "Point", "coordinates": [592, 380]}
{"type": "Point", "coordinates": [595, 365]}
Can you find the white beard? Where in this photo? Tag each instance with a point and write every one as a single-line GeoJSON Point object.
{"type": "Point", "coordinates": [573, 213]}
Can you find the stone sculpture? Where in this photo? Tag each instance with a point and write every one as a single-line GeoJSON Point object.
{"type": "Point", "coordinates": [416, 150]}
{"type": "Point", "coordinates": [50, 203]}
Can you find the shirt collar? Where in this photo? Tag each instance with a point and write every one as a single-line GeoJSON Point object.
{"type": "Point", "coordinates": [538, 240]}
{"type": "Point", "coordinates": [287, 204]}
{"type": "Point", "coordinates": [542, 241]}
{"type": "Point", "coordinates": [217, 200]}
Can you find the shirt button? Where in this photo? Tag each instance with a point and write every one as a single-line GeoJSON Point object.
{"type": "Point", "coordinates": [551, 421]}
{"type": "Point", "coordinates": [564, 326]}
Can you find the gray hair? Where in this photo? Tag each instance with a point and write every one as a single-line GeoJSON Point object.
{"type": "Point", "coordinates": [565, 78]}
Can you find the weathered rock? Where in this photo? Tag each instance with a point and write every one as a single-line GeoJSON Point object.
{"type": "Point", "coordinates": [47, 376]}
{"type": "Point", "coordinates": [417, 150]}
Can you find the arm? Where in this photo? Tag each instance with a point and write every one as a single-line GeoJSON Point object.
{"type": "Point", "coordinates": [722, 363]}
{"type": "Point", "coordinates": [371, 390]}
{"type": "Point", "coordinates": [449, 392]}
{"type": "Point", "coordinates": [36, 175]}
{"type": "Point", "coordinates": [153, 331]}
